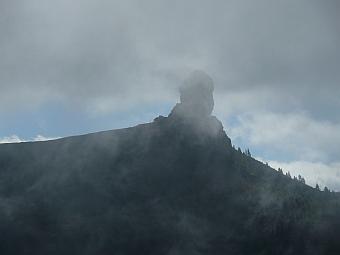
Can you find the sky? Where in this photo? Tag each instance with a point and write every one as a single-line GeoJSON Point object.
{"type": "Point", "coordinates": [74, 67]}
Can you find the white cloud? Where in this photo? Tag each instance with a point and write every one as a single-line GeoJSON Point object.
{"type": "Point", "coordinates": [294, 140]}
{"type": "Point", "coordinates": [17, 139]}
{"type": "Point", "coordinates": [10, 139]}
{"type": "Point", "coordinates": [292, 135]}
{"type": "Point", "coordinates": [321, 173]}
{"type": "Point", "coordinates": [40, 138]}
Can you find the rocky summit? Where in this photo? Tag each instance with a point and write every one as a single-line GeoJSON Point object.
{"type": "Point", "coordinates": [196, 96]}
{"type": "Point", "coordinates": [173, 186]}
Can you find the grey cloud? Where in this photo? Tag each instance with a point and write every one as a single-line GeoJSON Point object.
{"type": "Point", "coordinates": [83, 51]}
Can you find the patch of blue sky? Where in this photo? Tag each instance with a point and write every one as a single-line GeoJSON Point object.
{"type": "Point", "coordinates": [57, 120]}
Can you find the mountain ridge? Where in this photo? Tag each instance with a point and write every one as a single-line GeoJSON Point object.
{"type": "Point", "coordinates": [172, 186]}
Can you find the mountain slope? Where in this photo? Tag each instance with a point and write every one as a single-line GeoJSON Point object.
{"type": "Point", "coordinates": [173, 186]}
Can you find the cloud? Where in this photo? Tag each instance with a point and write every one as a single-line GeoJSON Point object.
{"type": "Point", "coordinates": [17, 139]}
{"type": "Point", "coordinates": [314, 173]}
{"type": "Point", "coordinates": [92, 54]}
{"type": "Point", "coordinates": [40, 138]}
{"type": "Point", "coordinates": [10, 139]}
{"type": "Point", "coordinates": [295, 136]}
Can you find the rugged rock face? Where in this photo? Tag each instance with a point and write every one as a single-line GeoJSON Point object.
{"type": "Point", "coordinates": [195, 108]}
{"type": "Point", "coordinates": [196, 95]}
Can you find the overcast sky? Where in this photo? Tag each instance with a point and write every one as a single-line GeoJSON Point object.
{"type": "Point", "coordinates": [72, 67]}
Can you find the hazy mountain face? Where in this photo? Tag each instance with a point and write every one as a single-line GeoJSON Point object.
{"type": "Point", "coordinates": [173, 186]}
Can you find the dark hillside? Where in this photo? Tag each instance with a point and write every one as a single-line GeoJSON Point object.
{"type": "Point", "coordinates": [173, 186]}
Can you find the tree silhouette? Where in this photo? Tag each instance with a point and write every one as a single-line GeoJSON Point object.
{"type": "Point", "coordinates": [301, 179]}
{"type": "Point", "coordinates": [317, 187]}
{"type": "Point", "coordinates": [326, 189]}
{"type": "Point", "coordinates": [247, 152]}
